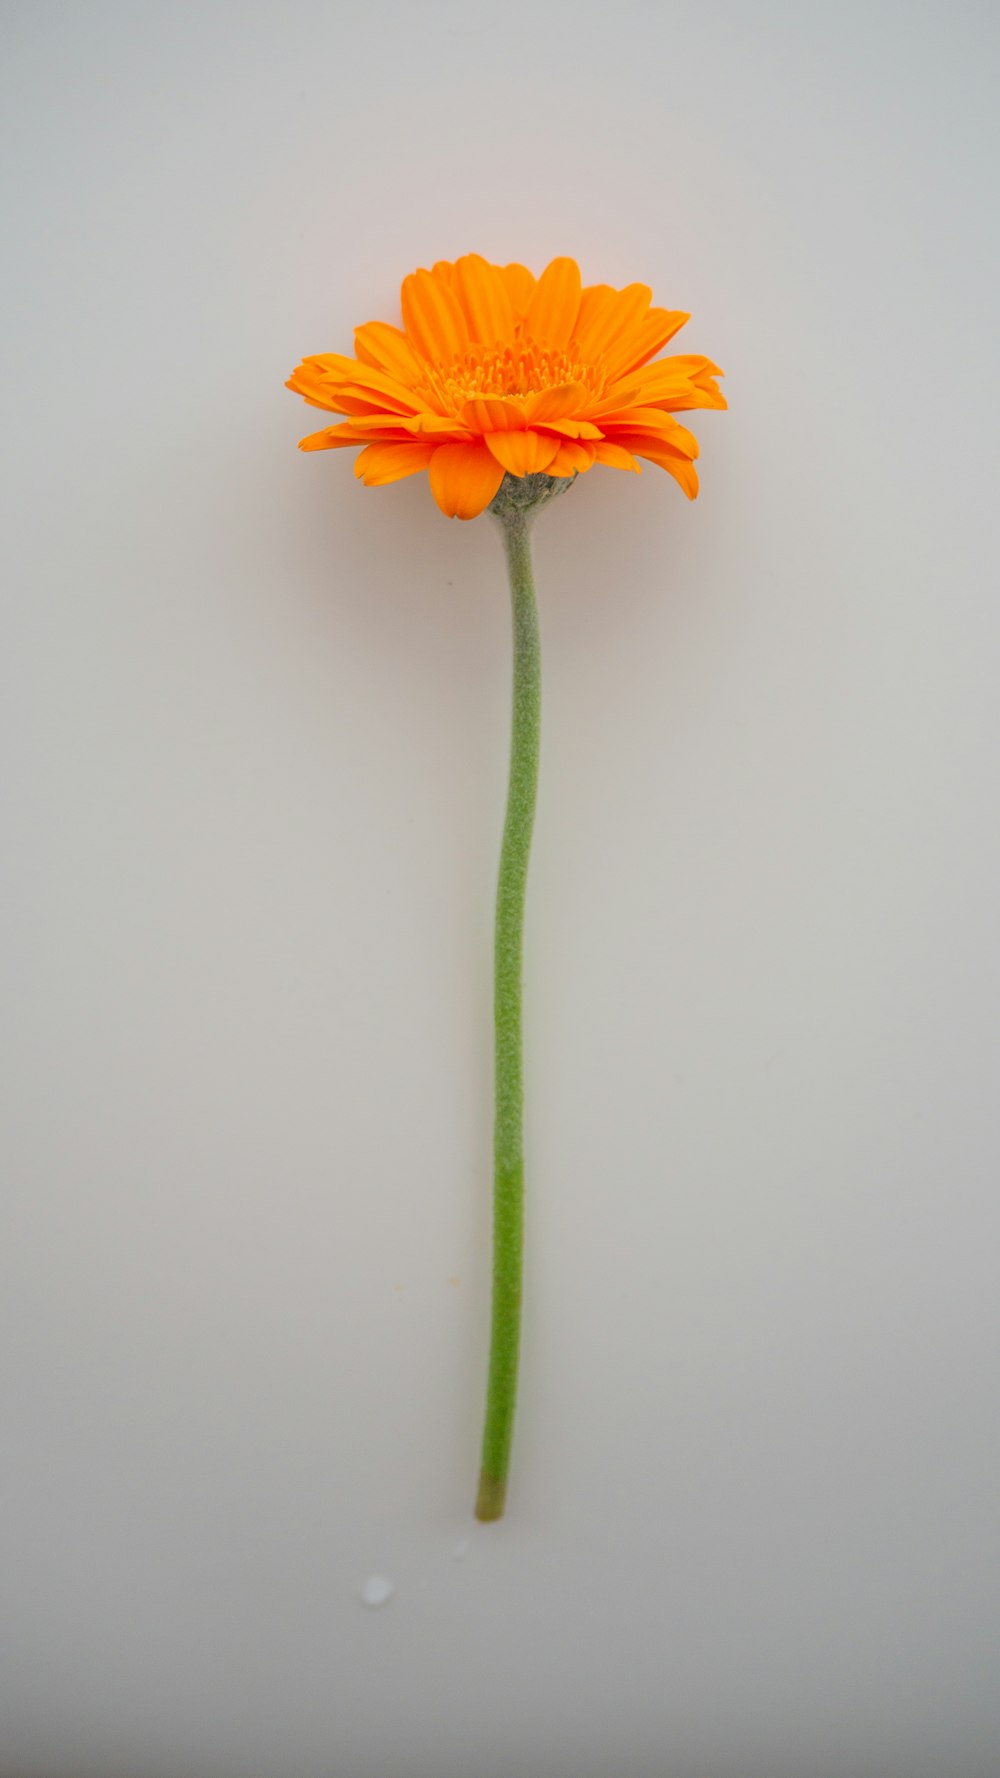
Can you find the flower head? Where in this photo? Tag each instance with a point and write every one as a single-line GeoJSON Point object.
{"type": "Point", "coordinates": [496, 372]}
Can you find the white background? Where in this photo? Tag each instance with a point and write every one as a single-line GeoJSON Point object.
{"type": "Point", "coordinates": [256, 729]}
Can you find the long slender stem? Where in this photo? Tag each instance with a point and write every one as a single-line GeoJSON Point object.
{"type": "Point", "coordinates": [508, 1145]}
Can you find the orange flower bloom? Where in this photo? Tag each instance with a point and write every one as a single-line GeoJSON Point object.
{"type": "Point", "coordinates": [498, 372]}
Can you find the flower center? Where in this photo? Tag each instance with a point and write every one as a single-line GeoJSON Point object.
{"type": "Point", "coordinates": [519, 370]}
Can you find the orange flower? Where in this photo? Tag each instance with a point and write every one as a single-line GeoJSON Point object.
{"type": "Point", "coordinates": [498, 372]}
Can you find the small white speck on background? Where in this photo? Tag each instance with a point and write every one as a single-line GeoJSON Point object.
{"type": "Point", "coordinates": [376, 1590]}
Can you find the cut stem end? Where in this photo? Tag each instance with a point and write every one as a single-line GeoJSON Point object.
{"type": "Point", "coordinates": [491, 1500]}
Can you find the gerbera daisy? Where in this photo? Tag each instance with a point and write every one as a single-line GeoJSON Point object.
{"type": "Point", "coordinates": [504, 388]}
{"type": "Point", "coordinates": [495, 371]}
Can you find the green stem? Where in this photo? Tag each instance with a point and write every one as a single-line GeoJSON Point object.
{"type": "Point", "coordinates": [508, 1143]}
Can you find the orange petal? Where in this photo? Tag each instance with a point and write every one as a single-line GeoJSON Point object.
{"type": "Point", "coordinates": [330, 439]}
{"type": "Point", "coordinates": [493, 413]}
{"type": "Point", "coordinates": [432, 318]}
{"type": "Point", "coordinates": [552, 312]}
{"type": "Point", "coordinates": [520, 284]}
{"type": "Point", "coordinates": [523, 453]}
{"type": "Point", "coordinates": [557, 403]}
{"type": "Point", "coordinates": [681, 468]}
{"type": "Point", "coordinates": [644, 341]}
{"type": "Point", "coordinates": [336, 367]}
{"type": "Point", "coordinates": [464, 479]}
{"type": "Point", "coordinates": [322, 363]}
{"type": "Point", "coordinates": [383, 401]}
{"type": "Point", "coordinates": [388, 349]}
{"type": "Point", "coordinates": [355, 400]}
{"type": "Point", "coordinates": [652, 384]}
{"type": "Point", "coordinates": [618, 396]}
{"type": "Point", "coordinates": [659, 425]}
{"type": "Point", "coordinates": [691, 395]}
{"type": "Point", "coordinates": [592, 300]}
{"type": "Point", "coordinates": [330, 373]}
{"type": "Point", "coordinates": [571, 428]}
{"type": "Point", "coordinates": [438, 426]}
{"type": "Point", "coordinates": [365, 405]}
{"type": "Point", "coordinates": [482, 291]}
{"type": "Point", "coordinates": [317, 384]}
{"type": "Point", "coordinates": [670, 371]}
{"type": "Point", "coordinates": [378, 464]}
{"type": "Point", "coordinates": [678, 383]}
{"type": "Point", "coordinates": [314, 391]}
{"type": "Point", "coordinates": [704, 381]}
{"type": "Point", "coordinates": [615, 456]}
{"type": "Point", "coordinates": [444, 270]}
{"type": "Point", "coordinates": [572, 458]}
{"type": "Point", "coordinates": [687, 364]}
{"type": "Point", "coordinates": [614, 320]}
{"type": "Point", "coordinates": [683, 472]}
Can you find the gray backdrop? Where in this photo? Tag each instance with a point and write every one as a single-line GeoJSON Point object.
{"type": "Point", "coordinates": [256, 729]}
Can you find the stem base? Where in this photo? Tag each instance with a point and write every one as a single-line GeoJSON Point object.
{"type": "Point", "coordinates": [491, 1499]}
